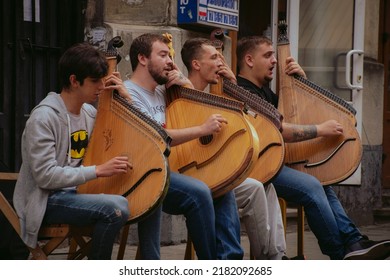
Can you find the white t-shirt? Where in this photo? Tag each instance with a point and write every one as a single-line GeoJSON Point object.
{"type": "Point", "coordinates": [151, 103]}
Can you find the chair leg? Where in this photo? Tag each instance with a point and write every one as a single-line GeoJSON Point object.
{"type": "Point", "coordinates": [301, 230]}
{"type": "Point", "coordinates": [190, 251]}
{"type": "Point", "coordinates": [123, 242]}
{"type": "Point", "coordinates": [300, 226]}
{"type": "Point", "coordinates": [53, 244]}
{"type": "Point", "coordinates": [283, 209]}
{"type": "Point", "coordinates": [79, 247]}
{"type": "Point", "coordinates": [72, 248]}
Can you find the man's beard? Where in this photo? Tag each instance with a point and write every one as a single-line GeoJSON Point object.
{"type": "Point", "coordinates": [160, 79]}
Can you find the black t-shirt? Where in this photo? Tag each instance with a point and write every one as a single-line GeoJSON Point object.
{"type": "Point", "coordinates": [264, 92]}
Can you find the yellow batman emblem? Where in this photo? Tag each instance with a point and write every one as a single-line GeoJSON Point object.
{"type": "Point", "coordinates": [79, 142]}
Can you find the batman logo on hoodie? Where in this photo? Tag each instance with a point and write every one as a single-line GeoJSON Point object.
{"type": "Point", "coordinates": [79, 142]}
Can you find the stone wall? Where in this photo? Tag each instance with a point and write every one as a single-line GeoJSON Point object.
{"type": "Point", "coordinates": [141, 12]}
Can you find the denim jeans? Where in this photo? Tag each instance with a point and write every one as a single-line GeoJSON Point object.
{"type": "Point", "coordinates": [325, 215]}
{"type": "Point", "coordinates": [213, 226]}
{"type": "Point", "coordinates": [227, 227]}
{"type": "Point", "coordinates": [149, 236]}
{"type": "Point", "coordinates": [108, 213]}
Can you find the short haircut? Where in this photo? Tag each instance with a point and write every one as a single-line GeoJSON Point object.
{"type": "Point", "coordinates": [192, 49]}
{"type": "Point", "coordinates": [247, 45]}
{"type": "Point", "coordinates": [83, 61]}
{"type": "Point", "coordinates": [142, 45]}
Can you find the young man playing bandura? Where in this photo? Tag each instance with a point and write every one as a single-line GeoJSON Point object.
{"type": "Point", "coordinates": [258, 205]}
{"type": "Point", "coordinates": [213, 225]}
{"type": "Point", "coordinates": [45, 191]}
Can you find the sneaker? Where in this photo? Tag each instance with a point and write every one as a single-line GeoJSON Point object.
{"type": "Point", "coordinates": [366, 249]}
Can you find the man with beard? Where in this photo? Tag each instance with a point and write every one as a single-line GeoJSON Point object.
{"type": "Point", "coordinates": [258, 205]}
{"type": "Point", "coordinates": [337, 235]}
{"type": "Point", "coordinates": [213, 225]}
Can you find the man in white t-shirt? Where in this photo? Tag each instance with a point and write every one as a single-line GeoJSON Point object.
{"type": "Point", "coordinates": [213, 225]}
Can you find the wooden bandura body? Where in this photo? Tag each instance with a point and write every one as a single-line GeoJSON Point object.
{"type": "Point", "coordinates": [222, 160]}
{"type": "Point", "coordinates": [121, 129]}
{"type": "Point", "coordinates": [329, 159]}
{"type": "Point", "coordinates": [267, 122]}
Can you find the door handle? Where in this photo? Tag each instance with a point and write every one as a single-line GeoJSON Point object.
{"type": "Point", "coordinates": [359, 79]}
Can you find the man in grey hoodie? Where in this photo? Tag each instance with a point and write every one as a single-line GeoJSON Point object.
{"type": "Point", "coordinates": [46, 189]}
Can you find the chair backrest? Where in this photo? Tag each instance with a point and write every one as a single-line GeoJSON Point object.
{"type": "Point", "coordinates": [9, 213]}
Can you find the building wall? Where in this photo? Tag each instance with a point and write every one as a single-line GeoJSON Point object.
{"type": "Point", "coordinates": [141, 12]}
{"type": "Point", "coordinates": [360, 201]}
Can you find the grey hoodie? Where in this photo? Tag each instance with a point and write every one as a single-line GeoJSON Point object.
{"type": "Point", "coordinates": [45, 157]}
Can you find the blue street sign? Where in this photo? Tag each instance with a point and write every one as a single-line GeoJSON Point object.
{"type": "Point", "coordinates": [216, 13]}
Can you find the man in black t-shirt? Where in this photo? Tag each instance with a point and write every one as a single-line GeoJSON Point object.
{"type": "Point", "coordinates": [337, 235]}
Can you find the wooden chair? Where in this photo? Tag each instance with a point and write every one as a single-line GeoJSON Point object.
{"type": "Point", "coordinates": [300, 224]}
{"type": "Point", "coordinates": [50, 237]}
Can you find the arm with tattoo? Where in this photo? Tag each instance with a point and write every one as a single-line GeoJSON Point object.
{"type": "Point", "coordinates": [296, 133]}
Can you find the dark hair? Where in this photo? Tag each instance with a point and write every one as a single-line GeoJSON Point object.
{"type": "Point", "coordinates": [247, 45]}
{"type": "Point", "coordinates": [143, 45]}
{"type": "Point", "coordinates": [191, 50]}
{"type": "Point", "coordinates": [83, 61]}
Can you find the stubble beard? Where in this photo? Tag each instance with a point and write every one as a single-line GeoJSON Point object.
{"type": "Point", "coordinates": [157, 76]}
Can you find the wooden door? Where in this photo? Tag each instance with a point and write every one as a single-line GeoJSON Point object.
{"type": "Point", "coordinates": [33, 35]}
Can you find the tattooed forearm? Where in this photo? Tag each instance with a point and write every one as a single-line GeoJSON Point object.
{"type": "Point", "coordinates": [296, 133]}
{"type": "Point", "coordinates": [304, 132]}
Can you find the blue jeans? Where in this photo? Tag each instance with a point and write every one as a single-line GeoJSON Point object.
{"type": "Point", "coordinates": [214, 226]}
{"type": "Point", "coordinates": [149, 236]}
{"type": "Point", "coordinates": [227, 226]}
{"type": "Point", "coordinates": [325, 214]}
{"type": "Point", "coordinates": [108, 213]}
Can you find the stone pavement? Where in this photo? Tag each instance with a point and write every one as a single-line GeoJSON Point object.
{"type": "Point", "coordinates": [311, 248]}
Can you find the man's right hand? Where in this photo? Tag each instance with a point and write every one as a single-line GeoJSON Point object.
{"type": "Point", "coordinates": [213, 124]}
{"type": "Point", "coordinates": [116, 165]}
{"type": "Point", "coordinates": [176, 77]}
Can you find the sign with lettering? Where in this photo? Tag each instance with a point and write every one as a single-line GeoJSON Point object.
{"type": "Point", "coordinates": [215, 13]}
